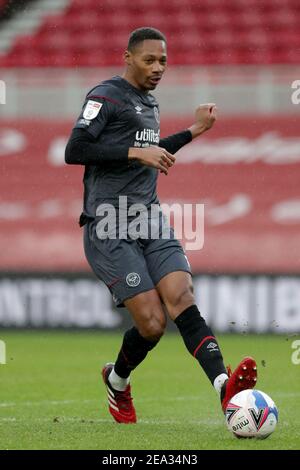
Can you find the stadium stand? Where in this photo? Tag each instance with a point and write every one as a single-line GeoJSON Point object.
{"type": "Point", "coordinates": [95, 33]}
{"type": "Point", "coordinates": [9, 7]}
{"type": "Point", "coordinates": [3, 4]}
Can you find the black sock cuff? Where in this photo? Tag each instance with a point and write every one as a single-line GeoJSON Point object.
{"type": "Point", "coordinates": [188, 314]}
{"type": "Point", "coordinates": [139, 341]}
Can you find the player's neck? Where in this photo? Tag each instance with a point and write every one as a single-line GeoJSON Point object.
{"type": "Point", "coordinates": [133, 82]}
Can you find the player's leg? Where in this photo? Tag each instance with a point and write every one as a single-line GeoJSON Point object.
{"type": "Point", "coordinates": [121, 266]}
{"type": "Point", "coordinates": [171, 274]}
{"type": "Point", "coordinates": [149, 317]}
{"type": "Point", "coordinates": [176, 291]}
{"type": "Point", "coordinates": [170, 271]}
{"type": "Point", "coordinates": [150, 322]}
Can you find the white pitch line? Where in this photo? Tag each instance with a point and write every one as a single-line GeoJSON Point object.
{"type": "Point", "coordinates": [44, 402]}
{"type": "Point", "coordinates": [185, 398]}
{"type": "Point", "coordinates": [61, 420]}
{"type": "Point", "coordinates": [70, 402]}
{"type": "Point", "coordinates": [286, 394]}
{"type": "Point", "coordinates": [141, 400]}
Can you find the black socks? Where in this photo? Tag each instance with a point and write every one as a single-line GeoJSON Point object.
{"type": "Point", "coordinates": [133, 351]}
{"type": "Point", "coordinates": [200, 342]}
{"type": "Point", "coordinates": [197, 336]}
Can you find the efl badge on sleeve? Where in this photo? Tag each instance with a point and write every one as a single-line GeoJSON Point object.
{"type": "Point", "coordinates": [92, 109]}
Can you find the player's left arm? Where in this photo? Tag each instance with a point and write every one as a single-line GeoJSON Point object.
{"type": "Point", "coordinates": [205, 116]}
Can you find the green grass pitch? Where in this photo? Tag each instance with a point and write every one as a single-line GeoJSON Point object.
{"type": "Point", "coordinates": [51, 396]}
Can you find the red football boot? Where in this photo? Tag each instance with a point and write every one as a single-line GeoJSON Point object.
{"type": "Point", "coordinates": [243, 378]}
{"type": "Point", "coordinates": [119, 403]}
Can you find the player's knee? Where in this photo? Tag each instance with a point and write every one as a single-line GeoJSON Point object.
{"type": "Point", "coordinates": [181, 299]}
{"type": "Point", "coordinates": [153, 328]}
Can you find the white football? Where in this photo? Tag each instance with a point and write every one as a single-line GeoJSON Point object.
{"type": "Point", "coordinates": [251, 414]}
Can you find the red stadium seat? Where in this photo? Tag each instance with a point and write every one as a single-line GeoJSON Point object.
{"type": "Point", "coordinates": [211, 31]}
{"type": "Point", "coordinates": [3, 5]}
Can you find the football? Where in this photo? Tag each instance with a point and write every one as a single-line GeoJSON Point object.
{"type": "Point", "coordinates": [251, 414]}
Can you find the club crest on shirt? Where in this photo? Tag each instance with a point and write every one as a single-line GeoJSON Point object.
{"type": "Point", "coordinates": [92, 109]}
{"type": "Point", "coordinates": [156, 114]}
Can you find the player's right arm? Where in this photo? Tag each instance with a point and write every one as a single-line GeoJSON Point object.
{"type": "Point", "coordinates": [83, 147]}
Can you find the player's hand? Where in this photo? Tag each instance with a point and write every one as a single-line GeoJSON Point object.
{"type": "Point", "coordinates": [205, 115]}
{"type": "Point", "coordinates": [156, 157]}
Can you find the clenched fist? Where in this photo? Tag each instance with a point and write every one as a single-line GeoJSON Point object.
{"type": "Point", "coordinates": [205, 115]}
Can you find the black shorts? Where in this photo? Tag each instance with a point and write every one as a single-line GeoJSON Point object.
{"type": "Point", "coordinates": [129, 267]}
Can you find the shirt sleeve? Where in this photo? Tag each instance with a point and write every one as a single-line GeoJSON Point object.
{"type": "Point", "coordinates": [99, 108]}
{"type": "Point", "coordinates": [174, 142]}
{"type": "Point", "coordinates": [83, 149]}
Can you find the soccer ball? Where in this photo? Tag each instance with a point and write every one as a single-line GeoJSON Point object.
{"type": "Point", "coordinates": [251, 414]}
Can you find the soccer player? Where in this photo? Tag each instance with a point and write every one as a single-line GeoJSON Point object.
{"type": "Point", "coordinates": [117, 138]}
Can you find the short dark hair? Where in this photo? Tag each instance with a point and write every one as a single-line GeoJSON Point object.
{"type": "Point", "coordinates": [141, 34]}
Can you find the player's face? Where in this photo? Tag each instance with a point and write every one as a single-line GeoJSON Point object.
{"type": "Point", "coordinates": [147, 63]}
